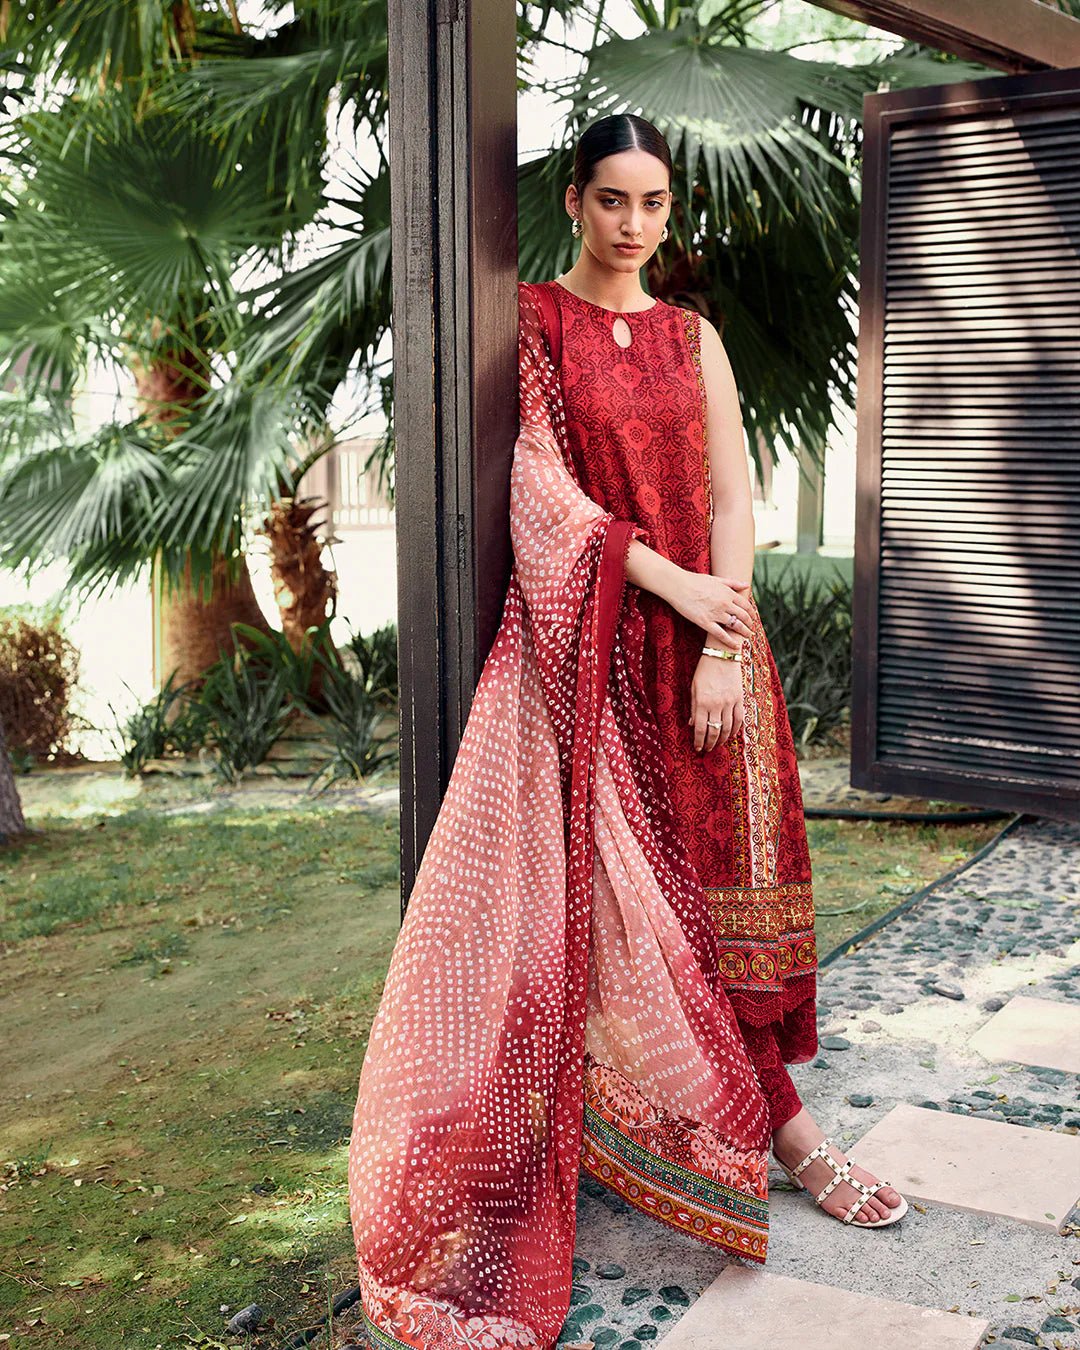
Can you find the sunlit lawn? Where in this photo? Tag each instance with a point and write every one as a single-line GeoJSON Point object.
{"type": "Point", "coordinates": [864, 868]}
{"type": "Point", "coordinates": [184, 1005]}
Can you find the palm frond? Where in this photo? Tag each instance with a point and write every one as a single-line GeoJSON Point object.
{"type": "Point", "coordinates": [237, 457]}
{"type": "Point", "coordinates": [534, 19]}
{"type": "Point", "coordinates": [107, 505]}
{"type": "Point", "coordinates": [280, 86]}
{"type": "Point", "coordinates": [65, 501]}
{"type": "Point", "coordinates": [32, 420]}
{"type": "Point", "coordinates": [146, 199]}
{"type": "Point", "coordinates": [731, 114]}
{"type": "Point", "coordinates": [46, 327]}
{"type": "Point", "coordinates": [841, 87]}
{"type": "Point", "coordinates": [98, 42]}
{"type": "Point", "coordinates": [309, 326]}
{"type": "Point", "coordinates": [545, 244]}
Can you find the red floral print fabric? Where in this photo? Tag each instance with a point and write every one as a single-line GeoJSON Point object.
{"type": "Point", "coordinates": [636, 426]}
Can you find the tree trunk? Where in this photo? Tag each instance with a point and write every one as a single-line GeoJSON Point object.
{"type": "Point", "coordinates": [195, 630]}
{"type": "Point", "coordinates": [12, 824]}
{"type": "Point", "coordinates": [303, 587]}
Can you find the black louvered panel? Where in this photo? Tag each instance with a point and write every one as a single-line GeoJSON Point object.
{"type": "Point", "coordinates": [968, 529]}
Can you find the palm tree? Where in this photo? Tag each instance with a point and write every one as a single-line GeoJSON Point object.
{"type": "Point", "coordinates": [764, 226]}
{"type": "Point", "coordinates": [765, 222]}
{"type": "Point", "coordinates": [124, 227]}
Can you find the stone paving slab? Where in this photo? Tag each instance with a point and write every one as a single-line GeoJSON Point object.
{"type": "Point", "coordinates": [747, 1310]}
{"type": "Point", "coordinates": [1040, 1031]}
{"type": "Point", "coordinates": [982, 1166]}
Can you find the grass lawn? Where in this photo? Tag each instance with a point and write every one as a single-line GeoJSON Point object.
{"type": "Point", "coordinates": [184, 1002]}
{"type": "Point", "coordinates": [863, 868]}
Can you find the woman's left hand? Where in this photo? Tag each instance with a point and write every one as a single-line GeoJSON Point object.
{"type": "Point", "coordinates": [715, 696]}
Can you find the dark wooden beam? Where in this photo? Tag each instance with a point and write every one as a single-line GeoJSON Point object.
{"type": "Point", "coordinates": [1011, 35]}
{"type": "Point", "coordinates": [453, 164]}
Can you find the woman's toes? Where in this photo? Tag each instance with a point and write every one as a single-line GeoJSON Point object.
{"type": "Point", "coordinates": [864, 1214]}
{"type": "Point", "coordinates": [878, 1206]}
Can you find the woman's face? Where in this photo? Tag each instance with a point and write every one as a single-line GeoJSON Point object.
{"type": "Point", "coordinates": [628, 202]}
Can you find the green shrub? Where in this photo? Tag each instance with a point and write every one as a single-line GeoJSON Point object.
{"type": "Point", "coordinates": [807, 618]}
{"type": "Point", "coordinates": [242, 705]}
{"type": "Point", "coordinates": [377, 658]}
{"type": "Point", "coordinates": [172, 722]}
{"type": "Point", "coordinates": [353, 712]}
{"type": "Point", "coordinates": [273, 652]}
{"type": "Point", "coordinates": [39, 668]}
{"type": "Point", "coordinates": [245, 703]}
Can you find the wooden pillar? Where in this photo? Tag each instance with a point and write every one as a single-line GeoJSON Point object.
{"type": "Point", "coordinates": [453, 165]}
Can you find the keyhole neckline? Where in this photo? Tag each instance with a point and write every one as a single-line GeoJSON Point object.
{"type": "Point", "coordinates": [628, 314]}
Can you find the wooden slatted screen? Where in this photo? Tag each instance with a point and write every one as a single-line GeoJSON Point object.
{"type": "Point", "coordinates": [967, 556]}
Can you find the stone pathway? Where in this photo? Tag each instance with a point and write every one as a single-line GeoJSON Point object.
{"type": "Point", "coordinates": [102, 789]}
{"type": "Point", "coordinates": [756, 1309]}
{"type": "Point", "coordinates": [908, 1041]}
{"type": "Point", "coordinates": [1033, 1031]}
{"type": "Point", "coordinates": [948, 1062]}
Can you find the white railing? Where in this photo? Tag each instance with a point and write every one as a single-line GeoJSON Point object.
{"type": "Point", "coordinates": [355, 499]}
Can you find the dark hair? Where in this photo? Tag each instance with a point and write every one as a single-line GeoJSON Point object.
{"type": "Point", "coordinates": [607, 136]}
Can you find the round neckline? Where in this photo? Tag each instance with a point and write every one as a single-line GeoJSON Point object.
{"type": "Point", "coordinates": [616, 313]}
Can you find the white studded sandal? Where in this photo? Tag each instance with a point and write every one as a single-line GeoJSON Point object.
{"type": "Point", "coordinates": [843, 1173]}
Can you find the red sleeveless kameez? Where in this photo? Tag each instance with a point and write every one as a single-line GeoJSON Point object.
{"type": "Point", "coordinates": [637, 430]}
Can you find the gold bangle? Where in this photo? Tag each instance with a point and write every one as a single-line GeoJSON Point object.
{"type": "Point", "coordinates": [722, 653]}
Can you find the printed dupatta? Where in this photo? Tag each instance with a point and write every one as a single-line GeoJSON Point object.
{"type": "Point", "coordinates": [553, 1000]}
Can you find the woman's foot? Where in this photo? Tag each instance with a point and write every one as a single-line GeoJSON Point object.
{"type": "Point", "coordinates": [794, 1140]}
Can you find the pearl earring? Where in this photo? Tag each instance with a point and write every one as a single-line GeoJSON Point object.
{"type": "Point", "coordinates": [575, 227]}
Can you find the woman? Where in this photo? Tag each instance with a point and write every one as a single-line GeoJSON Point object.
{"type": "Point", "coordinates": [608, 954]}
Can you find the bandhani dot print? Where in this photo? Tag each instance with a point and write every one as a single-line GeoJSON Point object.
{"type": "Point", "coordinates": [555, 1001]}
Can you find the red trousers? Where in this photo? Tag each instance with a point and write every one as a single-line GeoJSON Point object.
{"type": "Point", "coordinates": [784, 1101]}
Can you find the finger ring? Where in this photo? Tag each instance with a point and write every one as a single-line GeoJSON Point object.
{"type": "Point", "coordinates": [714, 724]}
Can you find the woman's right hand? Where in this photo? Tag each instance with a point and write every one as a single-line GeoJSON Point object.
{"type": "Point", "coordinates": [711, 602]}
